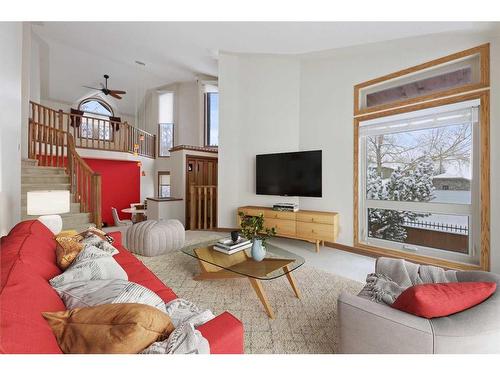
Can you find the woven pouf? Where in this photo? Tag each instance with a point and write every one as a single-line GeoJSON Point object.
{"type": "Point", "coordinates": [151, 237]}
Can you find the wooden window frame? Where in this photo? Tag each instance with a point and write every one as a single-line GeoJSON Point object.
{"type": "Point", "coordinates": [482, 50]}
{"type": "Point", "coordinates": [99, 100]}
{"type": "Point", "coordinates": [159, 140]}
{"type": "Point", "coordinates": [484, 123]}
{"type": "Point", "coordinates": [163, 173]}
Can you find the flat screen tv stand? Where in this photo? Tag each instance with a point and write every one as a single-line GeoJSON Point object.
{"type": "Point", "coordinates": [312, 226]}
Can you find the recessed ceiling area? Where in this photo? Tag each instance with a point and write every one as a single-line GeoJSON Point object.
{"type": "Point", "coordinates": [79, 53]}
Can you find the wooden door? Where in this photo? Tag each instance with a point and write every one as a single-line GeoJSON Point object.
{"type": "Point", "coordinates": [200, 171]}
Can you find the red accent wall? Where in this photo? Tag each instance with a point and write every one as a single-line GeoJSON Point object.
{"type": "Point", "coordinates": [121, 185]}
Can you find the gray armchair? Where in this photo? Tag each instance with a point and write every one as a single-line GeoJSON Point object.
{"type": "Point", "coordinates": [370, 327]}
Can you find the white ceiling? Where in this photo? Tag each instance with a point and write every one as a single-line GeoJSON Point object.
{"type": "Point", "coordinates": [81, 52]}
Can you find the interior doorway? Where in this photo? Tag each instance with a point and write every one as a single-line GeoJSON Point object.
{"type": "Point", "coordinates": [201, 192]}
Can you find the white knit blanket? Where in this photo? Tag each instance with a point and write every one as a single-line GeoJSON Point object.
{"type": "Point", "coordinates": [185, 339]}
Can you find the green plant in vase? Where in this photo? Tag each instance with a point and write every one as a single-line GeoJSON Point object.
{"type": "Point", "coordinates": [252, 228]}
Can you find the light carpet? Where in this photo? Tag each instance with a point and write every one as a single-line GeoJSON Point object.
{"type": "Point", "coordinates": [306, 325]}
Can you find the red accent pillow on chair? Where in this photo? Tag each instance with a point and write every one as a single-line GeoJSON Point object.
{"type": "Point", "coordinates": [443, 299]}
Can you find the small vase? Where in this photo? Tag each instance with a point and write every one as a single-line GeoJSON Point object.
{"type": "Point", "coordinates": [258, 251]}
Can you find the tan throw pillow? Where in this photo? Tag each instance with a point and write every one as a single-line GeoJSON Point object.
{"type": "Point", "coordinates": [67, 250]}
{"type": "Point", "coordinates": [124, 328]}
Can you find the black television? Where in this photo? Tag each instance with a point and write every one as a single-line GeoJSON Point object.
{"type": "Point", "coordinates": [289, 174]}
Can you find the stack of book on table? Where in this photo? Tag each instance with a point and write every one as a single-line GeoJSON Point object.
{"type": "Point", "coordinates": [227, 246]}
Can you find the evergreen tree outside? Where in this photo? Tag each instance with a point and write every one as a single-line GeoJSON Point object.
{"type": "Point", "coordinates": [411, 184]}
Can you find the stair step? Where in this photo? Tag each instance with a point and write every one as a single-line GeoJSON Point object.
{"type": "Point", "coordinates": [43, 186]}
{"type": "Point", "coordinates": [80, 228]}
{"type": "Point", "coordinates": [24, 201]}
{"type": "Point", "coordinates": [44, 179]}
{"type": "Point", "coordinates": [74, 208]}
{"type": "Point", "coordinates": [67, 226]}
{"type": "Point", "coordinates": [29, 162]}
{"type": "Point", "coordinates": [43, 170]}
{"type": "Point", "coordinates": [67, 216]}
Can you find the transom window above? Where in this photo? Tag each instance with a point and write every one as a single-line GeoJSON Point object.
{"type": "Point", "coordinates": [96, 107]}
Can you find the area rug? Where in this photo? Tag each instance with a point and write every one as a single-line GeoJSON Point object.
{"type": "Point", "coordinates": [306, 325]}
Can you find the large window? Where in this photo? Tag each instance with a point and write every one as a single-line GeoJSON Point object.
{"type": "Point", "coordinates": [163, 184]}
{"type": "Point", "coordinates": [419, 182]}
{"type": "Point", "coordinates": [212, 118]}
{"type": "Point", "coordinates": [166, 123]}
{"type": "Point", "coordinates": [95, 123]}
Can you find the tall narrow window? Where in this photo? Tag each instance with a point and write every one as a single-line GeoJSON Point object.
{"type": "Point", "coordinates": [212, 118]}
{"type": "Point", "coordinates": [166, 123]}
{"type": "Point", "coordinates": [95, 123]}
{"type": "Point", "coordinates": [419, 182]}
{"type": "Point", "coordinates": [163, 184]}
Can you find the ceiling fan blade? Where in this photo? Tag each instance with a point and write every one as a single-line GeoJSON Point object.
{"type": "Point", "coordinates": [118, 92]}
{"type": "Point", "coordinates": [114, 95]}
{"type": "Point", "coordinates": [93, 88]}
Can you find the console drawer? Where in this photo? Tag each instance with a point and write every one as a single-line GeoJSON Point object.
{"type": "Point", "coordinates": [251, 211]}
{"type": "Point", "coordinates": [284, 215]}
{"type": "Point", "coordinates": [316, 231]}
{"type": "Point", "coordinates": [281, 226]}
{"type": "Point", "coordinates": [311, 217]}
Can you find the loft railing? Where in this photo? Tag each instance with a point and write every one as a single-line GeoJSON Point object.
{"type": "Point", "coordinates": [203, 207]}
{"type": "Point", "coordinates": [88, 132]}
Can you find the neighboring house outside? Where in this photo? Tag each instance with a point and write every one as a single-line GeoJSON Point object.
{"type": "Point", "coordinates": [450, 182]}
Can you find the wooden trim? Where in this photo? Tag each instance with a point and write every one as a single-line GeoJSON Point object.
{"type": "Point", "coordinates": [484, 52]}
{"type": "Point", "coordinates": [214, 150]}
{"type": "Point", "coordinates": [485, 181]}
{"type": "Point", "coordinates": [167, 199]}
{"type": "Point", "coordinates": [484, 257]}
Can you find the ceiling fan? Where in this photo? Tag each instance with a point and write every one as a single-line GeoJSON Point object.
{"type": "Point", "coordinates": [104, 89]}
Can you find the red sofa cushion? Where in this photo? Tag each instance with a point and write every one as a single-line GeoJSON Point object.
{"type": "Point", "coordinates": [443, 299]}
{"type": "Point", "coordinates": [31, 227]}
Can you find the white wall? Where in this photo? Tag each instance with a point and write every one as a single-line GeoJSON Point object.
{"type": "Point", "coordinates": [11, 40]}
{"type": "Point", "coordinates": [258, 113]}
{"type": "Point", "coordinates": [250, 118]}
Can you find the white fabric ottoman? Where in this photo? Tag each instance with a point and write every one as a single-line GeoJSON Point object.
{"type": "Point", "coordinates": [151, 237]}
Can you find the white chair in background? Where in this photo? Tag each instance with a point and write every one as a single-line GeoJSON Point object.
{"type": "Point", "coordinates": [116, 218]}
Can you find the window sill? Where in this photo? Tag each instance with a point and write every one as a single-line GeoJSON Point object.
{"type": "Point", "coordinates": [438, 262]}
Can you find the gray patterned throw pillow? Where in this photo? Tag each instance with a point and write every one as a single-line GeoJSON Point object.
{"type": "Point", "coordinates": [100, 292]}
{"type": "Point", "coordinates": [98, 242]}
{"type": "Point", "coordinates": [91, 264]}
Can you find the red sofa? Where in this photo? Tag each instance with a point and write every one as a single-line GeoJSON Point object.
{"type": "Point", "coordinates": [28, 261]}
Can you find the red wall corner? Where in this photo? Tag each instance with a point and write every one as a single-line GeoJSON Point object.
{"type": "Point", "coordinates": [121, 185]}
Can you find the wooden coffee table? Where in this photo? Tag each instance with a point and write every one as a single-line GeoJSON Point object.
{"type": "Point", "coordinates": [215, 265]}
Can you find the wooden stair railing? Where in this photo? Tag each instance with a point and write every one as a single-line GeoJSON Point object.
{"type": "Point", "coordinates": [53, 147]}
{"type": "Point", "coordinates": [89, 132]}
{"type": "Point", "coordinates": [203, 207]}
{"type": "Point", "coordinates": [85, 184]}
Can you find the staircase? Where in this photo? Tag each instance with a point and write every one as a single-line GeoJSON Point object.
{"type": "Point", "coordinates": [35, 177]}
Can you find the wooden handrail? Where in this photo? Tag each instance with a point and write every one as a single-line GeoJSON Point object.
{"type": "Point", "coordinates": [202, 207]}
{"type": "Point", "coordinates": [85, 184]}
{"type": "Point", "coordinates": [96, 133]}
